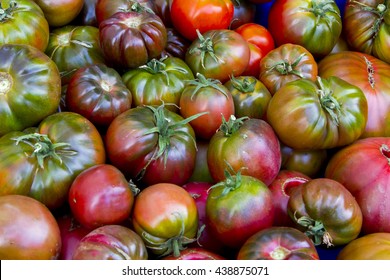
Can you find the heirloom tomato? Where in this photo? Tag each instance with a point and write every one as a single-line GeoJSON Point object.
{"type": "Point", "coordinates": [374, 246]}
{"type": "Point", "coordinates": [237, 208]}
{"type": "Point", "coordinates": [152, 145]}
{"type": "Point", "coordinates": [311, 115]}
{"type": "Point", "coordinates": [98, 93]}
{"type": "Point", "coordinates": [366, 26]}
{"type": "Point", "coordinates": [43, 161]}
{"type": "Point", "coordinates": [163, 10]}
{"type": "Point", "coordinates": [30, 87]}
{"type": "Point", "coordinates": [218, 54]}
{"type": "Point", "coordinates": [73, 47]}
{"type": "Point", "coordinates": [166, 217]}
{"type": "Point", "coordinates": [372, 76]}
{"type": "Point", "coordinates": [363, 168]}
{"type": "Point", "coordinates": [196, 253]}
{"type": "Point", "coordinates": [244, 12]}
{"type": "Point", "coordinates": [278, 243]}
{"type": "Point", "coordinates": [111, 242]}
{"type": "Point", "coordinates": [247, 145]}
{"type": "Point", "coordinates": [201, 171]}
{"type": "Point", "coordinates": [313, 24]}
{"type": "Point", "coordinates": [177, 45]}
{"type": "Point", "coordinates": [326, 211]}
{"type": "Point", "coordinates": [131, 39]}
{"type": "Point", "coordinates": [87, 16]}
{"type": "Point", "coordinates": [188, 17]}
{"type": "Point", "coordinates": [28, 229]}
{"type": "Point", "coordinates": [158, 81]}
{"type": "Point", "coordinates": [23, 22]}
{"type": "Point", "coordinates": [287, 63]}
{"type": "Point", "coordinates": [60, 12]}
{"type": "Point", "coordinates": [206, 95]}
{"type": "Point", "coordinates": [258, 35]}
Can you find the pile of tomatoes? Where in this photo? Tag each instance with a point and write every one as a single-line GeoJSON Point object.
{"type": "Point", "coordinates": [176, 129]}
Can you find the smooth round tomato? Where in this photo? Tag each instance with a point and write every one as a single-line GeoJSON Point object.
{"type": "Point", "coordinates": [30, 87]}
{"type": "Point", "coordinates": [111, 242]}
{"type": "Point", "coordinates": [177, 45]}
{"type": "Point", "coordinates": [166, 217]}
{"type": "Point", "coordinates": [29, 230]}
{"type": "Point", "coordinates": [278, 243]}
{"type": "Point", "coordinates": [100, 195]}
{"type": "Point", "coordinates": [195, 253]}
{"type": "Point", "coordinates": [60, 12]}
{"type": "Point", "coordinates": [189, 16]}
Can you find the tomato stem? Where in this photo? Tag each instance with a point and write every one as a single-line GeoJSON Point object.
{"type": "Point", "coordinates": [315, 230]}
{"type": "Point", "coordinates": [328, 102]}
{"type": "Point", "coordinates": [286, 68]}
{"type": "Point", "coordinates": [280, 253]}
{"type": "Point", "coordinates": [202, 82]}
{"type": "Point", "coordinates": [6, 14]}
{"type": "Point", "coordinates": [244, 84]}
{"type": "Point", "coordinates": [232, 125]}
{"type": "Point", "coordinates": [5, 83]}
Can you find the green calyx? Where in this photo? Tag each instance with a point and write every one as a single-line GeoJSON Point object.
{"type": "Point", "coordinates": [320, 8]}
{"type": "Point", "coordinates": [202, 82]}
{"type": "Point", "coordinates": [232, 125]}
{"type": "Point", "coordinates": [6, 14]}
{"type": "Point", "coordinates": [232, 181]}
{"type": "Point", "coordinates": [155, 66]}
{"type": "Point", "coordinates": [244, 84]}
{"type": "Point", "coordinates": [328, 102]}
{"type": "Point", "coordinates": [286, 67]}
{"type": "Point", "coordinates": [134, 6]}
{"type": "Point", "coordinates": [315, 230]}
{"type": "Point", "coordinates": [44, 147]}
{"type": "Point", "coordinates": [205, 46]}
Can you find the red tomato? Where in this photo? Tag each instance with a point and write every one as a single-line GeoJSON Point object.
{"type": "Point", "coordinates": [203, 15]}
{"type": "Point", "coordinates": [258, 35]}
{"type": "Point", "coordinates": [196, 253]}
{"type": "Point", "coordinates": [100, 195]}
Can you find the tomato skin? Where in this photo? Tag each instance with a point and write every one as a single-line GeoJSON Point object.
{"type": "Point", "coordinates": [372, 76]}
{"type": "Point", "coordinates": [244, 12]}
{"type": "Point", "coordinates": [29, 230]}
{"type": "Point", "coordinates": [203, 15]}
{"type": "Point", "coordinates": [60, 12]}
{"type": "Point", "coordinates": [314, 21]}
{"type": "Point", "coordinates": [258, 35]}
{"type": "Point", "coordinates": [196, 253]}
{"type": "Point", "coordinates": [163, 10]}
{"type": "Point", "coordinates": [100, 195]}
{"type": "Point", "coordinates": [24, 24]}
{"type": "Point", "coordinates": [111, 242]}
{"type": "Point", "coordinates": [165, 212]}
{"type": "Point", "coordinates": [367, 182]}
{"type": "Point", "coordinates": [299, 113]}
{"type": "Point", "coordinates": [48, 172]}
{"type": "Point", "coordinates": [177, 45]}
{"type": "Point", "coordinates": [374, 246]}
{"type": "Point", "coordinates": [201, 171]}
{"type": "Point", "coordinates": [228, 54]}
{"type": "Point", "coordinates": [253, 148]}
{"type": "Point", "coordinates": [278, 243]}
{"type": "Point", "coordinates": [28, 79]}
{"type": "Point", "coordinates": [328, 202]}
{"type": "Point", "coordinates": [87, 16]}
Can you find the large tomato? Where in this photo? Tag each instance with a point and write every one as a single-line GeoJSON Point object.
{"type": "Point", "coordinates": [30, 87]}
{"type": "Point", "coordinates": [326, 211]}
{"type": "Point", "coordinates": [218, 54]}
{"type": "Point", "coordinates": [203, 15]}
{"type": "Point", "coordinates": [42, 162]}
{"type": "Point", "coordinates": [372, 76]}
{"type": "Point", "coordinates": [278, 243]}
{"type": "Point", "coordinates": [152, 145]}
{"type": "Point", "coordinates": [166, 217]}
{"type": "Point", "coordinates": [313, 24]}
{"type": "Point", "coordinates": [366, 26]}
{"type": "Point", "coordinates": [196, 253]}
{"type": "Point", "coordinates": [249, 145]}
{"type": "Point", "coordinates": [311, 115]}
{"type": "Point", "coordinates": [60, 12]}
{"type": "Point", "coordinates": [363, 168]}
{"type": "Point", "coordinates": [111, 242]}
{"type": "Point", "coordinates": [23, 22]}
{"type": "Point", "coordinates": [28, 229]}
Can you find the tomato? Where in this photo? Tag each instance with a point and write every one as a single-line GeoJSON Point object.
{"type": "Point", "coordinates": [131, 39]}
{"type": "Point", "coordinates": [163, 10]}
{"type": "Point", "coordinates": [201, 171]}
{"type": "Point", "coordinates": [244, 12]}
{"type": "Point", "coordinates": [60, 12]}
{"type": "Point", "coordinates": [30, 87]}
{"type": "Point", "coordinates": [189, 16]}
{"type": "Point", "coordinates": [237, 208]}
{"type": "Point", "coordinates": [177, 45]}
{"type": "Point", "coordinates": [280, 188]}
{"type": "Point", "coordinates": [258, 35]}
{"type": "Point", "coordinates": [98, 93]}
{"type": "Point", "coordinates": [100, 195]}
{"type": "Point", "coordinates": [311, 115]}
{"type": "Point", "coordinates": [250, 96]}
{"type": "Point", "coordinates": [29, 230]}
{"type": "Point", "coordinates": [249, 145]}
{"type": "Point", "coordinates": [158, 81]}
{"type": "Point", "coordinates": [218, 54]}
{"type": "Point", "coordinates": [196, 253]}
{"type": "Point", "coordinates": [87, 16]}
{"type": "Point", "coordinates": [326, 211]}
{"type": "Point", "coordinates": [166, 217]}
{"type": "Point", "coordinates": [363, 168]}
{"type": "Point", "coordinates": [73, 47]}
{"type": "Point", "coordinates": [374, 246]}
{"type": "Point", "coordinates": [366, 27]}
{"type": "Point", "coordinates": [372, 76]}
{"type": "Point", "coordinates": [23, 22]}
{"type": "Point", "coordinates": [111, 242]}
{"type": "Point", "coordinates": [152, 145]}
{"type": "Point", "coordinates": [43, 161]}
{"type": "Point", "coordinates": [206, 95]}
{"type": "Point", "coordinates": [278, 243]}
{"type": "Point", "coordinates": [287, 63]}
